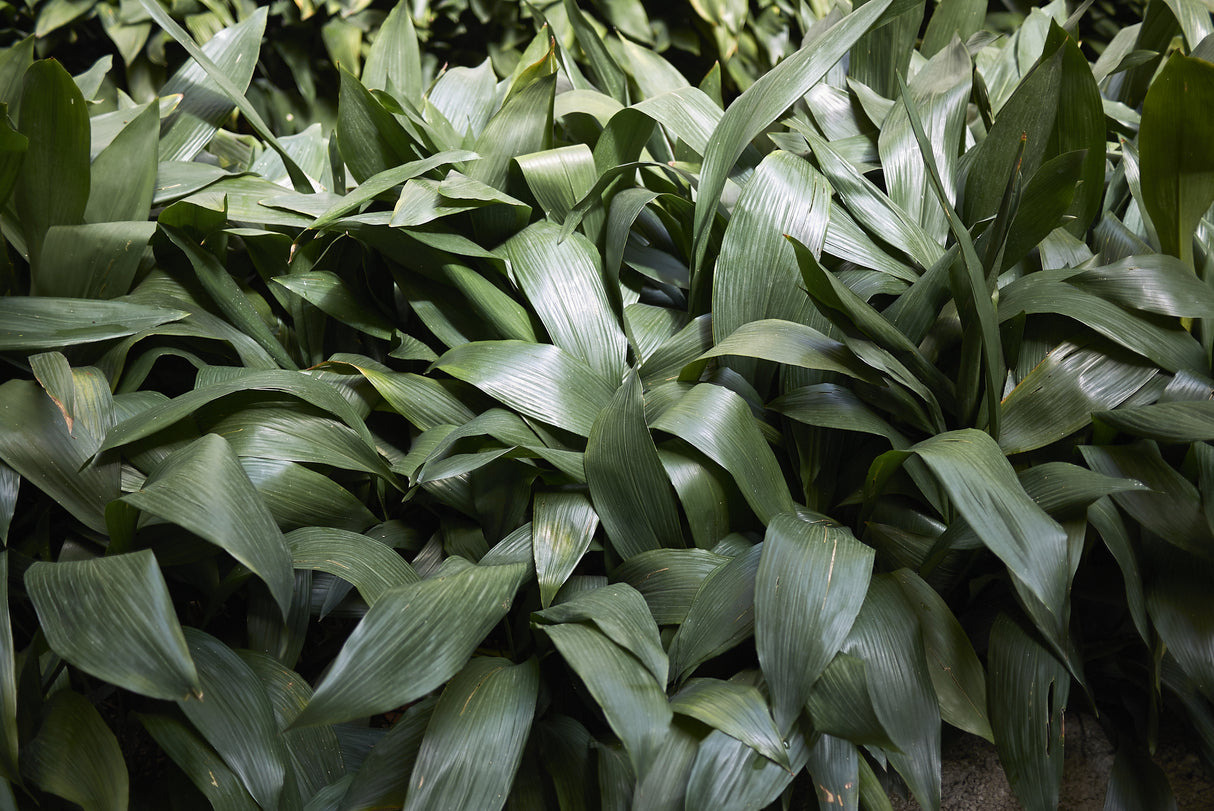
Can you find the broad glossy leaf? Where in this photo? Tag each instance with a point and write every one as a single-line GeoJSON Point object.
{"type": "Point", "coordinates": [559, 178]}
{"type": "Point", "coordinates": [980, 481]}
{"type": "Point", "coordinates": [738, 710]}
{"type": "Point", "coordinates": [1027, 691]}
{"type": "Point", "coordinates": [1065, 490]}
{"type": "Point", "coordinates": [284, 433]}
{"type": "Point", "coordinates": [377, 184]}
{"type": "Point", "coordinates": [728, 774]}
{"type": "Point", "coordinates": [203, 488]}
{"type": "Point", "coordinates": [834, 764]}
{"type": "Point", "coordinates": [538, 380]}
{"type": "Point", "coordinates": [414, 639]}
{"type": "Point", "coordinates": [315, 753]}
{"type": "Point", "coordinates": [717, 422]}
{"type": "Point", "coordinates": [1176, 143]}
{"type": "Point", "coordinates": [956, 673]}
{"type": "Point", "coordinates": [1173, 349]}
{"type": "Point", "coordinates": [201, 764]}
{"type": "Point", "coordinates": [756, 275]}
{"type": "Point", "coordinates": [371, 566]}
{"type": "Point", "coordinates": [1060, 394]}
{"type": "Point", "coordinates": [76, 756]}
{"type": "Point", "coordinates": [1176, 421]}
{"type": "Point", "coordinates": [8, 683]}
{"type": "Point", "coordinates": [952, 18]}
{"type": "Point", "coordinates": [421, 400]}
{"type": "Point", "coordinates": [394, 61]}
{"type": "Point", "coordinates": [234, 714]}
{"type": "Point", "coordinates": [561, 532]}
{"type": "Point", "coordinates": [721, 614]}
{"type": "Point", "coordinates": [789, 343]}
{"type": "Point", "coordinates": [383, 777]}
{"type": "Point", "coordinates": [112, 617]}
{"type": "Point", "coordinates": [52, 323]}
{"type": "Point", "coordinates": [765, 101]}
{"type": "Point", "coordinates": [53, 182]}
{"type": "Point", "coordinates": [1171, 508]}
{"type": "Point", "coordinates": [829, 405]}
{"type": "Point", "coordinates": [620, 612]}
{"type": "Point", "coordinates": [370, 138]}
{"type": "Point", "coordinates": [1174, 599]}
{"type": "Point", "coordinates": [474, 742]}
{"type": "Point", "coordinates": [522, 126]}
{"type": "Point", "coordinates": [220, 79]}
{"type": "Point", "coordinates": [203, 105]}
{"type": "Point", "coordinates": [633, 702]}
{"type": "Point", "coordinates": [36, 442]}
{"type": "Point", "coordinates": [1155, 283]}
{"type": "Point", "coordinates": [124, 174]}
{"type": "Point", "coordinates": [668, 579]}
{"type": "Point", "coordinates": [941, 90]}
{"type": "Point", "coordinates": [298, 496]}
{"type": "Point", "coordinates": [887, 638]}
{"type": "Point", "coordinates": [1107, 520]}
{"type": "Point", "coordinates": [562, 282]}
{"type": "Point", "coordinates": [297, 384]}
{"type": "Point", "coordinates": [809, 587]}
{"type": "Point", "coordinates": [841, 704]}
{"type": "Point", "coordinates": [95, 261]}
{"type": "Point", "coordinates": [631, 491]}
{"type": "Point", "coordinates": [228, 296]}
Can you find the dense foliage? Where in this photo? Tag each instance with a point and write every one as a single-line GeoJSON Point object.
{"type": "Point", "coordinates": [583, 422]}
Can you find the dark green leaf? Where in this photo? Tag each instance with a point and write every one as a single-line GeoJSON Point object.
{"type": "Point", "coordinates": [809, 587]}
{"type": "Point", "coordinates": [620, 612]}
{"type": "Point", "coordinates": [201, 764]}
{"type": "Point", "coordinates": [112, 617]}
{"type": "Point", "coordinates": [738, 710]}
{"type": "Point", "coordinates": [371, 566]}
{"type": "Point", "coordinates": [721, 614]}
{"type": "Point", "coordinates": [561, 531]}
{"type": "Point", "coordinates": [474, 742]}
{"type": "Point", "coordinates": [669, 579]}
{"type": "Point", "coordinates": [414, 639]}
{"type": "Point", "coordinates": [203, 488]}
{"type": "Point", "coordinates": [76, 756]}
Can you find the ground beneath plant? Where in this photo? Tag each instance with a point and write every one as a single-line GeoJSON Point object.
{"type": "Point", "coordinates": [972, 779]}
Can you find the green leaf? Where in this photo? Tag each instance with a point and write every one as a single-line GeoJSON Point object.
{"type": "Point", "coordinates": [522, 126]}
{"type": "Point", "coordinates": [112, 617]}
{"type": "Point", "coordinates": [952, 18]}
{"type": "Point", "coordinates": [423, 401]}
{"type": "Point", "coordinates": [1027, 691]}
{"type": "Point", "coordinates": [1177, 421]}
{"type": "Point", "coordinates": [383, 777]}
{"type": "Point", "coordinates": [728, 774]}
{"type": "Point", "coordinates": [381, 182]}
{"type": "Point", "coordinates": [298, 496]}
{"type": "Point", "coordinates": [809, 587]}
{"type": "Point", "coordinates": [474, 742]}
{"type": "Point", "coordinates": [1066, 491]}
{"type": "Point", "coordinates": [235, 716]}
{"type": "Point", "coordinates": [198, 760]}
{"type": "Point", "coordinates": [53, 183]}
{"type": "Point", "coordinates": [625, 690]}
{"type": "Point", "coordinates": [668, 579]}
{"type": "Point", "coordinates": [13, 146]}
{"type": "Point", "coordinates": [371, 566]}
{"type": "Point", "coordinates": [841, 704]}
{"type": "Point", "coordinates": [52, 323]}
{"type": "Point", "coordinates": [1174, 597]}
{"type": "Point", "coordinates": [984, 489]}
{"type": "Point", "coordinates": [36, 441]}
{"type": "Point", "coordinates": [92, 261]}
{"type": "Point", "coordinates": [721, 614]}
{"type": "Point", "coordinates": [717, 422]}
{"type": "Point", "coordinates": [203, 488]}
{"type": "Point", "coordinates": [887, 638]}
{"type": "Point", "coordinates": [955, 671]}
{"type": "Point", "coordinates": [1176, 143]}
{"type": "Point", "coordinates": [756, 275]}
{"type": "Point", "coordinates": [394, 61]}
{"type": "Point", "coordinates": [1137, 782]}
{"type": "Point", "coordinates": [8, 683]}
{"type": "Point", "coordinates": [561, 531]}
{"type": "Point", "coordinates": [788, 343]}
{"type": "Point", "coordinates": [834, 764]}
{"type": "Point", "coordinates": [124, 174]}
{"type": "Point", "coordinates": [1170, 508]}
{"type": "Point", "coordinates": [628, 485]}
{"type": "Point", "coordinates": [620, 612]}
{"type": "Point", "coordinates": [562, 282]}
{"type": "Point", "coordinates": [538, 380]}
{"type": "Point", "coordinates": [220, 79]}
{"type": "Point", "coordinates": [75, 755]}
{"type": "Point", "coordinates": [764, 102]}
{"type": "Point", "coordinates": [1060, 394]}
{"type": "Point", "coordinates": [738, 710]}
{"type": "Point", "coordinates": [228, 296]}
{"type": "Point", "coordinates": [414, 639]}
